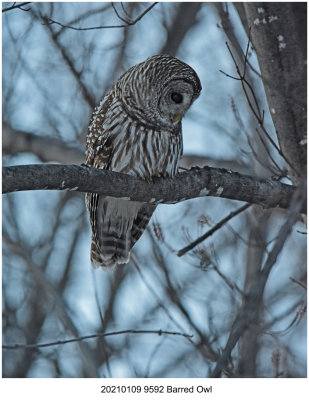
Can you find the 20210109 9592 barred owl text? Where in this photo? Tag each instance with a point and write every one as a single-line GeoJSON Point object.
{"type": "Point", "coordinates": [136, 130]}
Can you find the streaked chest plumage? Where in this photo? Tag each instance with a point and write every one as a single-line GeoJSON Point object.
{"type": "Point", "coordinates": [138, 148]}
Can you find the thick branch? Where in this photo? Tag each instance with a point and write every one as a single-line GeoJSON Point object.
{"type": "Point", "coordinates": [187, 185]}
{"type": "Point", "coordinates": [184, 19]}
{"type": "Point", "coordinates": [47, 149]}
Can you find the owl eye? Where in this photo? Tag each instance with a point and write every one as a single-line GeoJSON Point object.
{"type": "Point", "coordinates": [177, 97]}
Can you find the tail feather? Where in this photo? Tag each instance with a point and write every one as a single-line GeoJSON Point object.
{"type": "Point", "coordinates": [113, 251]}
{"type": "Point", "coordinates": [141, 222]}
{"type": "Point", "coordinates": [117, 224]}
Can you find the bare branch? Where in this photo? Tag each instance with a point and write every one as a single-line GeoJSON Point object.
{"type": "Point", "coordinates": [97, 335]}
{"type": "Point", "coordinates": [184, 19]}
{"type": "Point", "coordinates": [50, 21]}
{"type": "Point", "coordinates": [207, 351]}
{"type": "Point", "coordinates": [295, 321]}
{"type": "Point", "coordinates": [89, 13]}
{"type": "Point", "coordinates": [299, 283]}
{"type": "Point", "coordinates": [14, 6]}
{"type": "Point", "coordinates": [47, 149]}
{"type": "Point", "coordinates": [86, 94]}
{"type": "Point", "coordinates": [186, 185]}
{"type": "Point", "coordinates": [212, 230]}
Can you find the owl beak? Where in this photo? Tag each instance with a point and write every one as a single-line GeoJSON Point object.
{"type": "Point", "coordinates": [177, 117]}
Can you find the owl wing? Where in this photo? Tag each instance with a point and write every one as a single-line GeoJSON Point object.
{"type": "Point", "coordinates": [98, 156]}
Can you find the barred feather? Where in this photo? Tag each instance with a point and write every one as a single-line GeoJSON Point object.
{"type": "Point", "coordinates": [128, 134]}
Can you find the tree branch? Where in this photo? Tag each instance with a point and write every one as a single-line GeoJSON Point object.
{"type": "Point", "coordinates": [198, 182]}
{"type": "Point", "coordinates": [46, 149]}
{"type": "Point", "coordinates": [18, 5]}
{"type": "Point", "coordinates": [86, 94]}
{"type": "Point", "coordinates": [184, 19]}
{"type": "Point", "coordinates": [97, 335]}
{"type": "Point", "coordinates": [126, 22]}
{"type": "Point", "coordinates": [212, 230]}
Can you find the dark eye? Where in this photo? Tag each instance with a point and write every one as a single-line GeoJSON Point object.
{"type": "Point", "coordinates": [177, 97]}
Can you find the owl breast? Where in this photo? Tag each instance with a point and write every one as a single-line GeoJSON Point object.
{"type": "Point", "coordinates": [137, 149]}
{"type": "Point", "coordinates": [146, 152]}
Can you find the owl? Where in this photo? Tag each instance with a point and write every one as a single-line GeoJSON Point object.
{"type": "Point", "coordinates": [136, 130]}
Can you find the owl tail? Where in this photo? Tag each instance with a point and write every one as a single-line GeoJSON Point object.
{"type": "Point", "coordinates": [114, 250]}
{"type": "Point", "coordinates": [118, 225]}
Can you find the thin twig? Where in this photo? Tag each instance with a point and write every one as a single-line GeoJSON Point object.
{"type": "Point", "coordinates": [229, 76]}
{"type": "Point", "coordinates": [212, 230]}
{"type": "Point", "coordinates": [259, 159]}
{"type": "Point", "coordinates": [86, 94]}
{"type": "Point", "coordinates": [14, 6]}
{"type": "Point", "coordinates": [268, 152]}
{"type": "Point", "coordinates": [125, 11]}
{"type": "Point", "coordinates": [247, 51]}
{"type": "Point", "coordinates": [97, 335]}
{"type": "Point", "coordinates": [250, 243]}
{"type": "Point", "coordinates": [155, 295]}
{"type": "Point", "coordinates": [206, 351]}
{"type": "Point", "coordinates": [127, 23]}
{"type": "Point", "coordinates": [297, 318]}
{"type": "Point", "coordinates": [231, 285]}
{"type": "Point", "coordinates": [298, 283]}
{"type": "Point", "coordinates": [258, 114]}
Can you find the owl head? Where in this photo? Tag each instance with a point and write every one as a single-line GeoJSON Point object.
{"type": "Point", "coordinates": [159, 91]}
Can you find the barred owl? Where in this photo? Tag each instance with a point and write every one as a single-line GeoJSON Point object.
{"type": "Point", "coordinates": [136, 130]}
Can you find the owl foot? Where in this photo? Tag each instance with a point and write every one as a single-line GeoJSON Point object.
{"type": "Point", "coordinates": [155, 177]}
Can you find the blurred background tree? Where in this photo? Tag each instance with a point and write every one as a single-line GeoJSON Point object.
{"type": "Point", "coordinates": [241, 293]}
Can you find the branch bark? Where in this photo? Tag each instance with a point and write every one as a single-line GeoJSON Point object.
{"type": "Point", "coordinates": [198, 182]}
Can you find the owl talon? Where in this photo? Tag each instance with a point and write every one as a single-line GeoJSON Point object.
{"type": "Point", "coordinates": [154, 177]}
